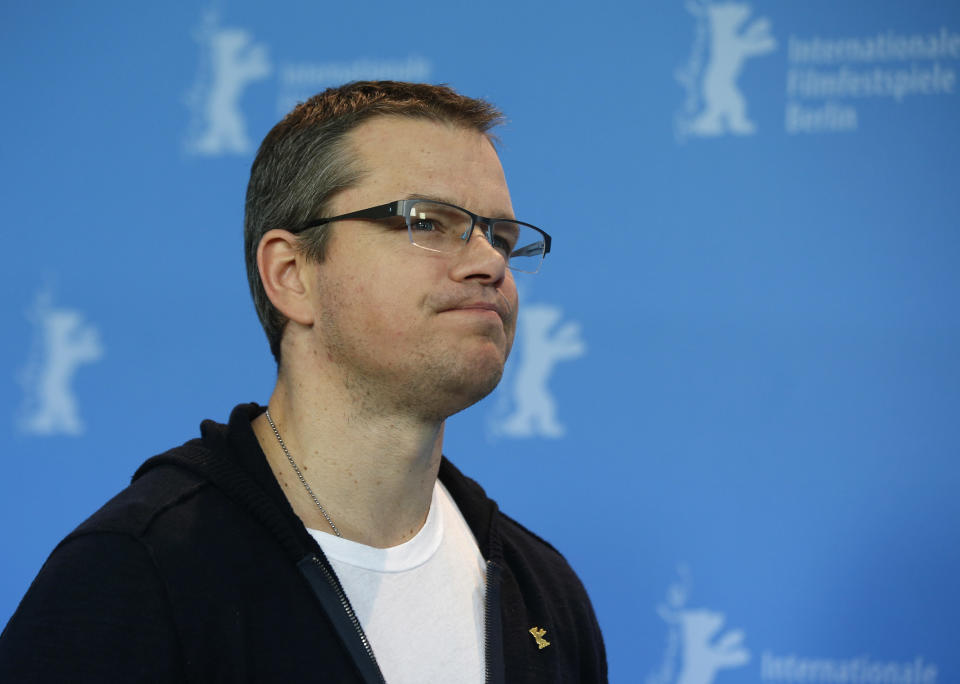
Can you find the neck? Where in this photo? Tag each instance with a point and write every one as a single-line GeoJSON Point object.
{"type": "Point", "coordinates": [373, 471]}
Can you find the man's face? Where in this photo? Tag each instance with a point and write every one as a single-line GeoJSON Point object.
{"type": "Point", "coordinates": [403, 325]}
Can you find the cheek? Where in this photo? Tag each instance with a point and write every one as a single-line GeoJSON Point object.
{"type": "Point", "coordinates": [508, 290]}
{"type": "Point", "coordinates": [384, 305]}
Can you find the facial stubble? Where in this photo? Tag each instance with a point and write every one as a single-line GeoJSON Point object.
{"type": "Point", "coordinates": [429, 382]}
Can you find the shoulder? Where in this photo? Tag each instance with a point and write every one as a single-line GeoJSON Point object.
{"type": "Point", "coordinates": [153, 491]}
{"type": "Point", "coordinates": [534, 562]}
{"type": "Point", "coordinates": [100, 585]}
{"type": "Point", "coordinates": [513, 532]}
{"type": "Point", "coordinates": [537, 564]}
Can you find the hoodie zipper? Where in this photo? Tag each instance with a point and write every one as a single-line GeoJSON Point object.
{"type": "Point", "coordinates": [492, 632]}
{"type": "Point", "coordinates": [348, 610]}
{"type": "Point", "coordinates": [492, 628]}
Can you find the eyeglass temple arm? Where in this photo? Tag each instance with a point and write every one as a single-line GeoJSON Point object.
{"type": "Point", "coordinates": [382, 211]}
{"type": "Point", "coordinates": [533, 249]}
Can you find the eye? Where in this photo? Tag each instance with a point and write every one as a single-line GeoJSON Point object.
{"type": "Point", "coordinates": [424, 225]}
{"type": "Point", "coordinates": [505, 237]}
{"type": "Point", "coordinates": [502, 245]}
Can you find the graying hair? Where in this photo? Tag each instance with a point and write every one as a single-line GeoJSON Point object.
{"type": "Point", "coordinates": [305, 160]}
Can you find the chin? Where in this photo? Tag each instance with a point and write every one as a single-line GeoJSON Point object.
{"type": "Point", "coordinates": [446, 383]}
{"type": "Point", "coordinates": [485, 385]}
{"type": "Point", "coordinates": [462, 390]}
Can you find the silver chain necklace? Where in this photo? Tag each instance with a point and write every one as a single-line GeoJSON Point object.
{"type": "Point", "coordinates": [299, 474]}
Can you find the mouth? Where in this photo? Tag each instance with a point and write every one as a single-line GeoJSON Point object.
{"type": "Point", "coordinates": [482, 308]}
{"type": "Point", "coordinates": [477, 310]}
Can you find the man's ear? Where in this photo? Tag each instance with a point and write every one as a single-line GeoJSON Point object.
{"type": "Point", "coordinates": [283, 271]}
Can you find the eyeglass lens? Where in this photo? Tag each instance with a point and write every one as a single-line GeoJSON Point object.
{"type": "Point", "coordinates": [442, 228]}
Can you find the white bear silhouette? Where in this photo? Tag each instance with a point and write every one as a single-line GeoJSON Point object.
{"type": "Point", "coordinates": [691, 640]}
{"type": "Point", "coordinates": [725, 109]}
{"type": "Point", "coordinates": [68, 342]}
{"type": "Point", "coordinates": [701, 656]}
{"type": "Point", "coordinates": [541, 348]}
{"type": "Point", "coordinates": [236, 61]}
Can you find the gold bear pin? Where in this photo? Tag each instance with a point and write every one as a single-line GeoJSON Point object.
{"type": "Point", "coordinates": [538, 635]}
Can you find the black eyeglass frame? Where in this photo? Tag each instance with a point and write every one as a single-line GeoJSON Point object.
{"type": "Point", "coordinates": [400, 207]}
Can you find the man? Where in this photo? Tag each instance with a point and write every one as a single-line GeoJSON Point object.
{"type": "Point", "coordinates": [324, 537]}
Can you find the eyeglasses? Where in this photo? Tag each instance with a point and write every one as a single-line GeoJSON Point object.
{"type": "Point", "coordinates": [441, 227]}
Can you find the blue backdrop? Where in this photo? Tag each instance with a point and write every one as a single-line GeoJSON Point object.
{"type": "Point", "coordinates": [734, 400]}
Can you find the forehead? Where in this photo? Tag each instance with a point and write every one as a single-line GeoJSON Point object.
{"type": "Point", "coordinates": [403, 157]}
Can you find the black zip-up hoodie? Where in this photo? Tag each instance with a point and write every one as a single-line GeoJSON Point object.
{"type": "Point", "coordinates": [200, 571]}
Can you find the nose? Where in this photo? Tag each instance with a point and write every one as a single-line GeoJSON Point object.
{"type": "Point", "coordinates": [478, 260]}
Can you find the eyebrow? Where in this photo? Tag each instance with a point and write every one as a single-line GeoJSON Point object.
{"type": "Point", "coordinates": [447, 200]}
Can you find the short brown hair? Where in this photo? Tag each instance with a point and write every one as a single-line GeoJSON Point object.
{"type": "Point", "coordinates": [304, 161]}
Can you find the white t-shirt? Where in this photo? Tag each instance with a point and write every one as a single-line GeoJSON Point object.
{"type": "Point", "coordinates": [419, 603]}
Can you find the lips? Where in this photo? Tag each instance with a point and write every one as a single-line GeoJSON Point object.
{"type": "Point", "coordinates": [499, 308]}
